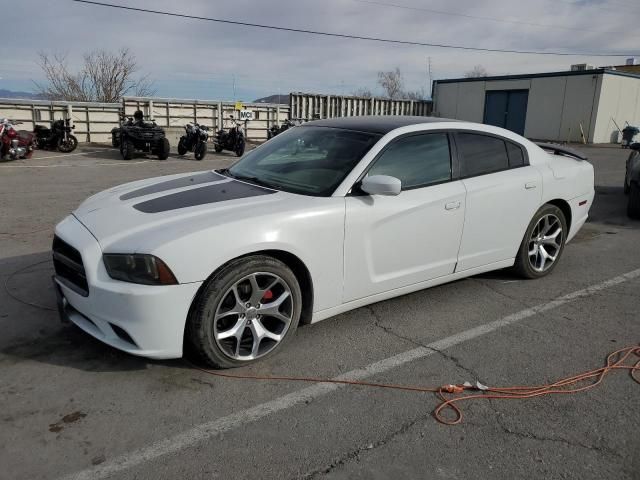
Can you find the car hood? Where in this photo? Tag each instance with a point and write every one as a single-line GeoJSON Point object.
{"type": "Point", "coordinates": [141, 215]}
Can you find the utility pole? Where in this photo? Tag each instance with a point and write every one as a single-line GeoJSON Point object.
{"type": "Point", "coordinates": [234, 87]}
{"type": "Point", "coordinates": [429, 77]}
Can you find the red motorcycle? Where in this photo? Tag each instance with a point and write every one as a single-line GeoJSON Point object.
{"type": "Point", "coordinates": [15, 144]}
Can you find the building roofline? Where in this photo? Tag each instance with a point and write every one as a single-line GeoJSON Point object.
{"type": "Point", "coordinates": [524, 76]}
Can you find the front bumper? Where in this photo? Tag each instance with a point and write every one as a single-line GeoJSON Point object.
{"type": "Point", "coordinates": [140, 319]}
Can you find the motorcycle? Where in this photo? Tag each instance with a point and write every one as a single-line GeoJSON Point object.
{"type": "Point", "coordinates": [232, 140]}
{"type": "Point", "coordinates": [58, 136]}
{"type": "Point", "coordinates": [15, 144]}
{"type": "Point", "coordinates": [275, 130]}
{"type": "Point", "coordinates": [194, 140]}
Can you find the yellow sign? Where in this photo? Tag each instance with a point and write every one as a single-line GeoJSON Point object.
{"type": "Point", "coordinates": [239, 106]}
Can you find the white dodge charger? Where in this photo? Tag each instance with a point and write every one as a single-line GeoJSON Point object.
{"type": "Point", "coordinates": [324, 218]}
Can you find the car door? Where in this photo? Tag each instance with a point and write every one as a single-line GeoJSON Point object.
{"type": "Point", "coordinates": [396, 241]}
{"type": "Point", "coordinates": [503, 193]}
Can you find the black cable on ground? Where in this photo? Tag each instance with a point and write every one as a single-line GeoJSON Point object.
{"type": "Point", "coordinates": [17, 299]}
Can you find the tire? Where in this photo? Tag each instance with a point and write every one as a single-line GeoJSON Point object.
{"type": "Point", "coordinates": [69, 145]}
{"type": "Point", "coordinates": [626, 188]}
{"type": "Point", "coordinates": [182, 149]}
{"type": "Point", "coordinates": [163, 149]}
{"type": "Point", "coordinates": [239, 150]}
{"type": "Point", "coordinates": [633, 205]}
{"type": "Point", "coordinates": [126, 149]}
{"type": "Point", "coordinates": [200, 151]}
{"type": "Point", "coordinates": [202, 331]}
{"type": "Point", "coordinates": [217, 148]}
{"type": "Point", "coordinates": [536, 265]}
{"type": "Point", "coordinates": [115, 140]}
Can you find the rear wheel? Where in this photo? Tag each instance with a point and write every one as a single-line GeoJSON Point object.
{"type": "Point", "coordinates": [126, 149]}
{"type": "Point", "coordinates": [163, 149]}
{"type": "Point", "coordinates": [245, 312]}
{"type": "Point", "coordinates": [633, 207]}
{"type": "Point", "coordinates": [182, 149]}
{"type": "Point", "coordinates": [67, 145]}
{"type": "Point", "coordinates": [543, 243]}
{"type": "Point", "coordinates": [200, 151]}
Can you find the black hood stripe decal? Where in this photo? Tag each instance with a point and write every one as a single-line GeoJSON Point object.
{"type": "Point", "coordinates": [205, 177]}
{"type": "Point", "coordinates": [219, 192]}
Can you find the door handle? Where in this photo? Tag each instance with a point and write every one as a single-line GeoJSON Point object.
{"type": "Point", "coordinates": [530, 185]}
{"type": "Point", "coordinates": [452, 206]}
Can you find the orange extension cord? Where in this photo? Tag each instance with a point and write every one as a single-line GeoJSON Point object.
{"type": "Point", "coordinates": [617, 360]}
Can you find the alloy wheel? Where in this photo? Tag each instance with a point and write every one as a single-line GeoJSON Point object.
{"type": "Point", "coordinates": [545, 243]}
{"type": "Point", "coordinates": [253, 316]}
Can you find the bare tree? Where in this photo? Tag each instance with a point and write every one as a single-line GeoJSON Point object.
{"type": "Point", "coordinates": [392, 83]}
{"type": "Point", "coordinates": [104, 77]}
{"type": "Point", "coordinates": [362, 92]}
{"type": "Point", "coordinates": [477, 72]}
{"type": "Point", "coordinates": [414, 94]}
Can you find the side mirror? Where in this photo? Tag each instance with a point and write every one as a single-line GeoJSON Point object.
{"type": "Point", "coordinates": [381, 185]}
{"type": "Point", "coordinates": [635, 146]}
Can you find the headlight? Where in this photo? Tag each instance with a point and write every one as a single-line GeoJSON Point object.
{"type": "Point", "coordinates": [138, 268]}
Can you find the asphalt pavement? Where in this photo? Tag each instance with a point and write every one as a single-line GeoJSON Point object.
{"type": "Point", "coordinates": [71, 407]}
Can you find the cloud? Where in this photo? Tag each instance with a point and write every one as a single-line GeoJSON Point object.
{"type": "Point", "coordinates": [198, 59]}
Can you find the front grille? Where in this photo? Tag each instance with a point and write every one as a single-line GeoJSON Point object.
{"type": "Point", "coordinates": [69, 268]}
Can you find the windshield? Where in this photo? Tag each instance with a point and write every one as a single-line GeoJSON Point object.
{"type": "Point", "coordinates": [305, 160]}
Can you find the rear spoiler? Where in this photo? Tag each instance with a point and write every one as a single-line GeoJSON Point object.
{"type": "Point", "coordinates": [557, 149]}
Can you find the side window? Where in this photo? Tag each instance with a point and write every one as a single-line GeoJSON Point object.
{"type": "Point", "coordinates": [481, 154]}
{"type": "Point", "coordinates": [516, 156]}
{"type": "Point", "coordinates": [417, 160]}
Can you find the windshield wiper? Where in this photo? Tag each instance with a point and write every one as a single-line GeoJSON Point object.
{"type": "Point", "coordinates": [249, 178]}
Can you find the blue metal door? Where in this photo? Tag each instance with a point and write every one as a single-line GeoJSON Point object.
{"type": "Point", "coordinates": [506, 109]}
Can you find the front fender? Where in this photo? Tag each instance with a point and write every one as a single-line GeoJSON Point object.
{"type": "Point", "coordinates": [314, 234]}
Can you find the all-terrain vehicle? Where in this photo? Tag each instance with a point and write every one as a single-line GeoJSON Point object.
{"type": "Point", "coordinates": [141, 136]}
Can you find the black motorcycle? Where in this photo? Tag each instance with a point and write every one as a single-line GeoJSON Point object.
{"type": "Point", "coordinates": [58, 136]}
{"type": "Point", "coordinates": [194, 140]}
{"type": "Point", "coordinates": [232, 140]}
{"type": "Point", "coordinates": [275, 130]}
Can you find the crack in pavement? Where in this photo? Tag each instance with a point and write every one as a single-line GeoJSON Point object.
{"type": "Point", "coordinates": [355, 454]}
{"type": "Point", "coordinates": [570, 443]}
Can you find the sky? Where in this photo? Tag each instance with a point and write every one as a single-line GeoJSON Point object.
{"type": "Point", "coordinates": [204, 60]}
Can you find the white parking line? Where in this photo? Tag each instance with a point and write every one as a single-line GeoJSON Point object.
{"type": "Point", "coordinates": [70, 154]}
{"type": "Point", "coordinates": [233, 421]}
{"type": "Point", "coordinates": [87, 165]}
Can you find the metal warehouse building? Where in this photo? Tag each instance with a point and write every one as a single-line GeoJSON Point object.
{"type": "Point", "coordinates": [555, 106]}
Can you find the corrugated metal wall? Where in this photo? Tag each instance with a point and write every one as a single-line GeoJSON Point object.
{"type": "Point", "coordinates": [560, 107]}
{"type": "Point", "coordinates": [308, 106]}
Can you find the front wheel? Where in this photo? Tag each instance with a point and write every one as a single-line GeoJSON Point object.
{"type": "Point", "coordinates": [200, 151]}
{"type": "Point", "coordinates": [182, 148]}
{"type": "Point", "coordinates": [240, 147]}
{"type": "Point", "coordinates": [67, 145]}
{"type": "Point", "coordinates": [633, 207]}
{"type": "Point", "coordinates": [127, 149]}
{"type": "Point", "coordinates": [163, 149]}
{"type": "Point", "coordinates": [245, 312]}
{"type": "Point", "coordinates": [543, 243]}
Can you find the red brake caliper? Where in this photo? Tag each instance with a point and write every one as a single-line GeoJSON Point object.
{"type": "Point", "coordinates": [268, 295]}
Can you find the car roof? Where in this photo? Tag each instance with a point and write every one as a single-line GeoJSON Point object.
{"type": "Point", "coordinates": [375, 123]}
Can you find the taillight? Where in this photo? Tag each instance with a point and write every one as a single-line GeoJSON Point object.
{"type": "Point", "coordinates": [12, 133]}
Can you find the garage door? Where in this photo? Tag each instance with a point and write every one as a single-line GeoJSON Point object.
{"type": "Point", "coordinates": [506, 109]}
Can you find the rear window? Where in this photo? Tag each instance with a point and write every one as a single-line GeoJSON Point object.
{"type": "Point", "coordinates": [481, 154]}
